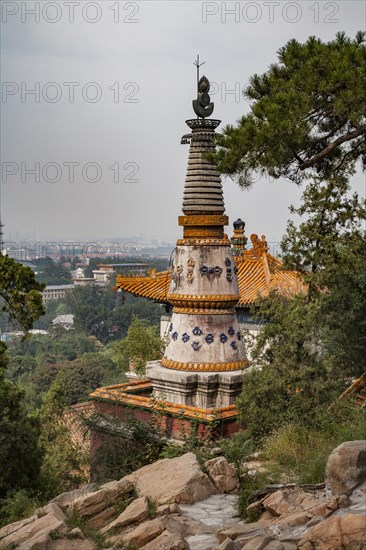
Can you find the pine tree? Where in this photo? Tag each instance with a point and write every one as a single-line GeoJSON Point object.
{"type": "Point", "coordinates": [308, 114]}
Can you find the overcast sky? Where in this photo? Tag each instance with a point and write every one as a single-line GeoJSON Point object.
{"type": "Point", "coordinates": [114, 82]}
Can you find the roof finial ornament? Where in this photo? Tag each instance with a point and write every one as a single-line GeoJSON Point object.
{"type": "Point", "coordinates": [202, 106]}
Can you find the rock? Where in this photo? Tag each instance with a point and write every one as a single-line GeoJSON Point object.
{"type": "Point", "coordinates": [261, 542]}
{"type": "Point", "coordinates": [93, 503]}
{"type": "Point", "coordinates": [243, 531]}
{"type": "Point", "coordinates": [289, 500]}
{"type": "Point", "coordinates": [202, 542]}
{"type": "Point", "coordinates": [173, 480]}
{"type": "Point", "coordinates": [166, 509]}
{"type": "Point", "coordinates": [72, 544]}
{"type": "Point", "coordinates": [51, 508]}
{"type": "Point", "coordinates": [229, 544]}
{"type": "Point", "coordinates": [34, 532]}
{"type": "Point", "coordinates": [336, 532]}
{"type": "Point", "coordinates": [135, 512]}
{"type": "Point", "coordinates": [103, 518]}
{"type": "Point", "coordinates": [186, 526]}
{"type": "Point", "coordinates": [223, 475]}
{"type": "Point", "coordinates": [77, 533]}
{"type": "Point", "coordinates": [217, 511]}
{"type": "Point", "coordinates": [167, 541]}
{"type": "Point", "coordinates": [65, 500]}
{"type": "Point", "coordinates": [346, 467]}
{"type": "Point", "coordinates": [38, 542]}
{"type": "Point", "coordinates": [142, 534]}
{"type": "Point", "coordinates": [16, 526]}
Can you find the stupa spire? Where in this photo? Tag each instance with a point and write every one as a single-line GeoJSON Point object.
{"type": "Point", "coordinates": [203, 194]}
{"type": "Point", "coordinates": [204, 342]}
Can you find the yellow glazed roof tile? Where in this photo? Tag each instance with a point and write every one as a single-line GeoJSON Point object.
{"type": "Point", "coordinates": [258, 275]}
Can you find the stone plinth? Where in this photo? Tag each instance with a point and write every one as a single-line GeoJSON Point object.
{"type": "Point", "coordinates": [208, 390]}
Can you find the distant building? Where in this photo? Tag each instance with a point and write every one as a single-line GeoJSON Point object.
{"type": "Point", "coordinates": [64, 321]}
{"type": "Point", "coordinates": [55, 292]}
{"type": "Point", "coordinates": [84, 281]}
{"type": "Point", "coordinates": [104, 272]}
{"type": "Point", "coordinates": [78, 273]}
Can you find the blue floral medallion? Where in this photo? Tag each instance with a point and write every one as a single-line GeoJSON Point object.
{"type": "Point", "coordinates": [185, 337]}
{"type": "Point", "coordinates": [197, 331]}
{"type": "Point", "coordinates": [231, 331]}
{"type": "Point", "coordinates": [234, 345]}
{"type": "Point", "coordinates": [238, 335]}
{"type": "Point", "coordinates": [175, 335]}
{"type": "Point", "coordinates": [223, 338]}
{"type": "Point", "coordinates": [170, 327]}
{"type": "Point", "coordinates": [209, 339]}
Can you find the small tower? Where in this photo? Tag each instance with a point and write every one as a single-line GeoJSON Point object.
{"type": "Point", "coordinates": [238, 240]}
{"type": "Point", "coordinates": [204, 358]}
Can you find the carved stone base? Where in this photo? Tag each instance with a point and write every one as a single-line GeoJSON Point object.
{"type": "Point", "coordinates": [201, 389]}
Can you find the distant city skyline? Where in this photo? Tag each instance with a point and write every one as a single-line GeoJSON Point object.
{"type": "Point", "coordinates": [94, 103]}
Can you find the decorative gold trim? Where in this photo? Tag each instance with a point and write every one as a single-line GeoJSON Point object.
{"type": "Point", "coordinates": [211, 231]}
{"type": "Point", "coordinates": [205, 367]}
{"type": "Point", "coordinates": [196, 311]}
{"type": "Point", "coordinates": [210, 220]}
{"type": "Point", "coordinates": [208, 301]}
{"type": "Point", "coordinates": [203, 242]}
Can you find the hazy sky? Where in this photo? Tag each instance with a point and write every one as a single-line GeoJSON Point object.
{"type": "Point", "coordinates": [113, 83]}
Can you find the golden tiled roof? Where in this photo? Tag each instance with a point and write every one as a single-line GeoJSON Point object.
{"type": "Point", "coordinates": [154, 286]}
{"type": "Point", "coordinates": [258, 274]}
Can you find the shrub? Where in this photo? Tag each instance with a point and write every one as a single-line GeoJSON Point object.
{"type": "Point", "coordinates": [17, 505]}
{"type": "Point", "coordinates": [302, 452]}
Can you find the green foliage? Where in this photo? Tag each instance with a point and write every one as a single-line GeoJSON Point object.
{"type": "Point", "coordinates": [307, 113]}
{"type": "Point", "coordinates": [237, 449]}
{"type": "Point", "coordinates": [61, 468]}
{"type": "Point", "coordinates": [311, 344]}
{"type": "Point", "coordinates": [141, 344]}
{"type": "Point", "coordinates": [295, 452]}
{"type": "Point", "coordinates": [36, 362]}
{"type": "Point", "coordinates": [54, 274]}
{"type": "Point", "coordinates": [19, 290]}
{"type": "Point", "coordinates": [172, 450]}
{"type": "Point", "coordinates": [17, 505]}
{"type": "Point", "coordinates": [293, 382]}
{"type": "Point", "coordinates": [152, 506]}
{"type": "Point", "coordinates": [125, 444]}
{"type": "Point", "coordinates": [73, 521]}
{"type": "Point", "coordinates": [20, 456]}
{"type": "Point", "coordinates": [301, 452]}
{"type": "Point", "coordinates": [103, 313]}
{"type": "Point", "coordinates": [332, 218]}
{"type": "Point", "coordinates": [248, 485]}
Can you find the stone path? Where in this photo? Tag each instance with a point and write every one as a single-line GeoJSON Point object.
{"type": "Point", "coordinates": [216, 511]}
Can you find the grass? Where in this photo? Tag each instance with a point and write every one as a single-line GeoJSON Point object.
{"type": "Point", "coordinates": [301, 452]}
{"type": "Point", "coordinates": [18, 505]}
{"type": "Point", "coordinates": [151, 507]}
{"type": "Point", "coordinates": [296, 453]}
{"type": "Point", "coordinates": [72, 521]}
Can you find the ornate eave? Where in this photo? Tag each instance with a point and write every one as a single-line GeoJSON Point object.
{"type": "Point", "coordinates": [155, 286]}
{"type": "Point", "coordinates": [258, 274]}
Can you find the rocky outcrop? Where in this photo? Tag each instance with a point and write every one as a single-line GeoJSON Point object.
{"type": "Point", "coordinates": [35, 533]}
{"type": "Point", "coordinates": [141, 511]}
{"type": "Point", "coordinates": [223, 475]}
{"type": "Point", "coordinates": [341, 531]}
{"type": "Point", "coordinates": [178, 480]}
{"type": "Point", "coordinates": [295, 520]}
{"type": "Point", "coordinates": [346, 467]}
